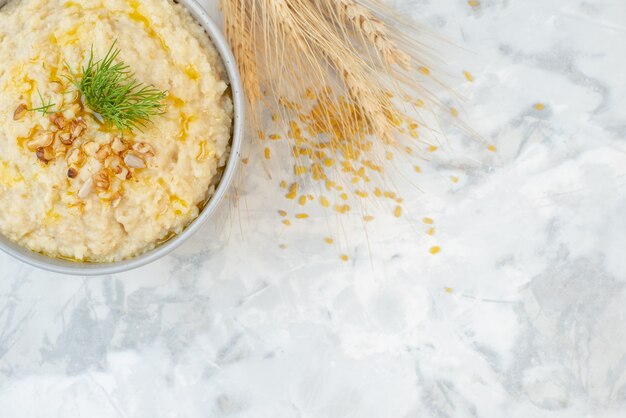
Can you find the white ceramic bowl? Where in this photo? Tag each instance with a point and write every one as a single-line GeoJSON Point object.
{"type": "Point", "coordinates": [92, 269]}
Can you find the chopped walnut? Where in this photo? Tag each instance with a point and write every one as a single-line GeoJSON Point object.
{"type": "Point", "coordinates": [41, 140]}
{"type": "Point", "coordinates": [45, 154]}
{"type": "Point", "coordinates": [115, 164]}
{"type": "Point", "coordinates": [118, 145]}
{"type": "Point", "coordinates": [119, 158]}
{"type": "Point", "coordinates": [20, 112]}
{"type": "Point", "coordinates": [72, 172]}
{"type": "Point", "coordinates": [58, 120]}
{"type": "Point", "coordinates": [59, 149]}
{"type": "Point", "coordinates": [112, 161]}
{"type": "Point", "coordinates": [103, 152]}
{"type": "Point", "coordinates": [75, 157]}
{"type": "Point", "coordinates": [102, 180]}
{"type": "Point", "coordinates": [65, 138]}
{"type": "Point", "coordinates": [77, 128]}
{"type": "Point", "coordinates": [91, 148]}
{"type": "Point", "coordinates": [144, 149]}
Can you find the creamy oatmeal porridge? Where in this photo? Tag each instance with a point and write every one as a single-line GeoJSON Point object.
{"type": "Point", "coordinates": [73, 185]}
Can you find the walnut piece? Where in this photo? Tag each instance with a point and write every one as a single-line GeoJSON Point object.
{"type": "Point", "coordinates": [75, 157]}
{"type": "Point", "coordinates": [144, 149]}
{"type": "Point", "coordinates": [58, 120]}
{"type": "Point", "coordinates": [103, 152]}
{"type": "Point", "coordinates": [102, 181]}
{"type": "Point", "coordinates": [65, 138]}
{"type": "Point", "coordinates": [20, 112]}
{"type": "Point", "coordinates": [72, 172]}
{"type": "Point", "coordinates": [77, 128]}
{"type": "Point", "coordinates": [118, 145]}
{"type": "Point", "coordinates": [91, 148]}
{"type": "Point", "coordinates": [45, 154]}
{"type": "Point", "coordinates": [41, 140]}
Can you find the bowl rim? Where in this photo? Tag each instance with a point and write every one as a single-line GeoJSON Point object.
{"type": "Point", "coordinates": [56, 265]}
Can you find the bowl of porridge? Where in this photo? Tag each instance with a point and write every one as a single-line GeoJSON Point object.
{"type": "Point", "coordinates": [120, 128]}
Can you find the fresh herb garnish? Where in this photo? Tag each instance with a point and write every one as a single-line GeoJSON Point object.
{"type": "Point", "coordinates": [45, 106]}
{"type": "Point", "coordinates": [111, 90]}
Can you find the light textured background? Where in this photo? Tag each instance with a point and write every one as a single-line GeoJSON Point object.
{"type": "Point", "coordinates": [521, 314]}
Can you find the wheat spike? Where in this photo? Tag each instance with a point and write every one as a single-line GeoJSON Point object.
{"type": "Point", "coordinates": [370, 28]}
{"type": "Point", "coordinates": [239, 27]}
{"type": "Point", "coordinates": [313, 35]}
{"type": "Point", "coordinates": [337, 81]}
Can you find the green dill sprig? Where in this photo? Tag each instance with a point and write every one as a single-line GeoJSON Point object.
{"type": "Point", "coordinates": [45, 107]}
{"type": "Point", "coordinates": [111, 90]}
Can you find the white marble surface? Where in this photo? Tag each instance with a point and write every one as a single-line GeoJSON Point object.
{"type": "Point", "coordinates": [522, 314]}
